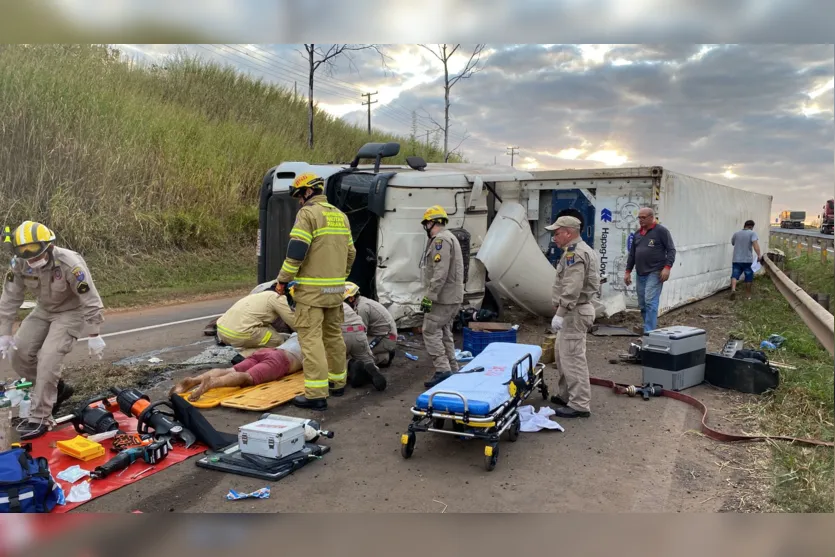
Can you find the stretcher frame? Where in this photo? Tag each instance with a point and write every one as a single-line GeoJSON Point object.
{"type": "Point", "coordinates": [503, 418]}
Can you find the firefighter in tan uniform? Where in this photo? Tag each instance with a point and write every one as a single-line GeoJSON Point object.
{"type": "Point", "coordinates": [67, 299]}
{"type": "Point", "coordinates": [577, 281]}
{"type": "Point", "coordinates": [380, 325]}
{"type": "Point", "coordinates": [443, 279]}
{"type": "Point", "coordinates": [319, 258]}
{"type": "Point", "coordinates": [247, 325]}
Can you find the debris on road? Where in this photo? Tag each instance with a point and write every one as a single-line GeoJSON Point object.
{"type": "Point", "coordinates": [263, 493]}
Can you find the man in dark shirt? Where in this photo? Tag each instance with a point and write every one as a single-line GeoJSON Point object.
{"type": "Point", "coordinates": [652, 255]}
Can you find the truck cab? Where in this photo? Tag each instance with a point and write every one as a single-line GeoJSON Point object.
{"type": "Point", "coordinates": [828, 217]}
{"type": "Point", "coordinates": [385, 204]}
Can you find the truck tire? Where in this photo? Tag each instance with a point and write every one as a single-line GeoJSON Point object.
{"type": "Point", "coordinates": [493, 301]}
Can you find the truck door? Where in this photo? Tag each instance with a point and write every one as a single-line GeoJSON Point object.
{"type": "Point", "coordinates": [572, 203]}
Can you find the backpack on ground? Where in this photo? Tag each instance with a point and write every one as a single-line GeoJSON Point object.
{"type": "Point", "coordinates": [26, 485]}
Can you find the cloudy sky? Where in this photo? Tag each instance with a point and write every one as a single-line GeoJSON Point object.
{"type": "Point", "coordinates": [758, 117]}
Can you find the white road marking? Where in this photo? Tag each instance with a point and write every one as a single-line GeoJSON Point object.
{"type": "Point", "coordinates": [149, 327]}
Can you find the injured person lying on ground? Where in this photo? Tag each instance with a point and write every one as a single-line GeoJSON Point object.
{"type": "Point", "coordinates": [265, 365]}
{"type": "Point", "coordinates": [362, 368]}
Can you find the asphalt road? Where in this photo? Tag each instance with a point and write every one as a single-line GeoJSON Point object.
{"type": "Point", "coordinates": [547, 471]}
{"type": "Point", "coordinates": [801, 232]}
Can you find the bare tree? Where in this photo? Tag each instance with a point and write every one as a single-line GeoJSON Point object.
{"type": "Point", "coordinates": [444, 53]}
{"type": "Point", "coordinates": [316, 56]}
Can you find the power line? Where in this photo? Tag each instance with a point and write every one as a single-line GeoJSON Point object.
{"type": "Point", "coordinates": [238, 57]}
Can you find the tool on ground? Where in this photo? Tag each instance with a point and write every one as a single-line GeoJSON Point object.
{"type": "Point", "coordinates": [151, 454]}
{"type": "Point", "coordinates": [633, 355]}
{"type": "Point", "coordinates": [95, 416]}
{"type": "Point", "coordinates": [619, 388]}
{"type": "Point", "coordinates": [125, 441]}
{"type": "Point", "coordinates": [646, 391]}
{"type": "Point", "coordinates": [135, 476]}
{"type": "Point", "coordinates": [150, 419]}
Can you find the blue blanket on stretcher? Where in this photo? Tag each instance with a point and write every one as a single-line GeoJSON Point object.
{"type": "Point", "coordinates": [484, 390]}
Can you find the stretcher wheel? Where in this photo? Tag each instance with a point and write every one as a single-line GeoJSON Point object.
{"type": "Point", "coordinates": [513, 431]}
{"type": "Point", "coordinates": [407, 446]}
{"type": "Point", "coordinates": [491, 456]}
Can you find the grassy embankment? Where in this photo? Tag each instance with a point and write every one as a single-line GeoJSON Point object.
{"type": "Point", "coordinates": [152, 173]}
{"type": "Point", "coordinates": [803, 404]}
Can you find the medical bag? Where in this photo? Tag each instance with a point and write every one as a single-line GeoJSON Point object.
{"type": "Point", "coordinates": [26, 485]}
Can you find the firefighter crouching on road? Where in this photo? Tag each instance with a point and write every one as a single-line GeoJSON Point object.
{"type": "Point", "coordinates": [380, 325]}
{"type": "Point", "coordinates": [319, 258]}
{"type": "Point", "coordinates": [443, 279]}
{"type": "Point", "coordinates": [247, 325]}
{"type": "Point", "coordinates": [360, 360]}
{"type": "Point", "coordinates": [577, 281]}
{"type": "Point", "coordinates": [66, 299]}
{"type": "Point", "coordinates": [361, 367]}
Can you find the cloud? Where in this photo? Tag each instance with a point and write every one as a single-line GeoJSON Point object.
{"type": "Point", "coordinates": [758, 117]}
{"type": "Point", "coordinates": [732, 114]}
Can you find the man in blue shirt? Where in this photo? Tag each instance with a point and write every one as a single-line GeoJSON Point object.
{"type": "Point", "coordinates": [652, 254]}
{"type": "Point", "coordinates": [744, 241]}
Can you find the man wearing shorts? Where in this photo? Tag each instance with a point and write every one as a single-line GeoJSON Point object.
{"type": "Point", "coordinates": [265, 365]}
{"type": "Point", "coordinates": [744, 241]}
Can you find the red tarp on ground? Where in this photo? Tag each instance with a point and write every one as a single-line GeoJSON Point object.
{"type": "Point", "coordinates": [58, 461]}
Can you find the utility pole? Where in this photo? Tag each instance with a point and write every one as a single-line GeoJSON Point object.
{"type": "Point", "coordinates": [294, 91]}
{"type": "Point", "coordinates": [427, 138]}
{"type": "Point", "coordinates": [369, 103]}
{"type": "Point", "coordinates": [512, 152]}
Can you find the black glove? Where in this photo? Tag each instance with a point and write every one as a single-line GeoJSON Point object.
{"type": "Point", "coordinates": [426, 305]}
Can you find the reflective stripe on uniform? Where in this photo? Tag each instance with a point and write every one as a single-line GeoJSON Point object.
{"type": "Point", "coordinates": [316, 383]}
{"type": "Point", "coordinates": [289, 268]}
{"type": "Point", "coordinates": [232, 334]}
{"type": "Point", "coordinates": [267, 336]}
{"type": "Point", "coordinates": [311, 281]}
{"type": "Point", "coordinates": [331, 231]}
{"type": "Point", "coordinates": [353, 328]}
{"type": "Point", "coordinates": [340, 377]}
{"type": "Point", "coordinates": [301, 235]}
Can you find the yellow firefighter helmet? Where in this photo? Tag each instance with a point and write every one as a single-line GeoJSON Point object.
{"type": "Point", "coordinates": [304, 181]}
{"type": "Point", "coordinates": [31, 239]}
{"type": "Point", "coordinates": [435, 213]}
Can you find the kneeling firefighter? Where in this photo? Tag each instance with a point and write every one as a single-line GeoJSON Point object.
{"type": "Point", "coordinates": [319, 258]}
{"type": "Point", "coordinates": [443, 280]}
{"type": "Point", "coordinates": [66, 299]}
{"type": "Point", "coordinates": [362, 368]}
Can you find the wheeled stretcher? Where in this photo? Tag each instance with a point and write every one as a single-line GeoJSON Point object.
{"type": "Point", "coordinates": [481, 401]}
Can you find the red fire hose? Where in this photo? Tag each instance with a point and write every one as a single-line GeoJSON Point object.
{"type": "Point", "coordinates": [620, 388]}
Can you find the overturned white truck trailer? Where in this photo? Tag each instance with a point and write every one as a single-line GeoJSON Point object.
{"type": "Point", "coordinates": [499, 213]}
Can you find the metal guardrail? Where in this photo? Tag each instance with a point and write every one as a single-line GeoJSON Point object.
{"type": "Point", "coordinates": [819, 321]}
{"type": "Point", "coordinates": [798, 243]}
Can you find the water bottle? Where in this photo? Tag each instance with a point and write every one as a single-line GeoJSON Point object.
{"type": "Point", "coordinates": [25, 407]}
{"type": "Point", "coordinates": [5, 424]}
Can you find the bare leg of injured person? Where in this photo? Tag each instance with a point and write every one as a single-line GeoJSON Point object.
{"type": "Point", "coordinates": [265, 365]}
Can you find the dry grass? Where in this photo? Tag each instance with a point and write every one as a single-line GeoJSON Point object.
{"type": "Point", "coordinates": [131, 163]}
{"type": "Point", "coordinates": [802, 476]}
